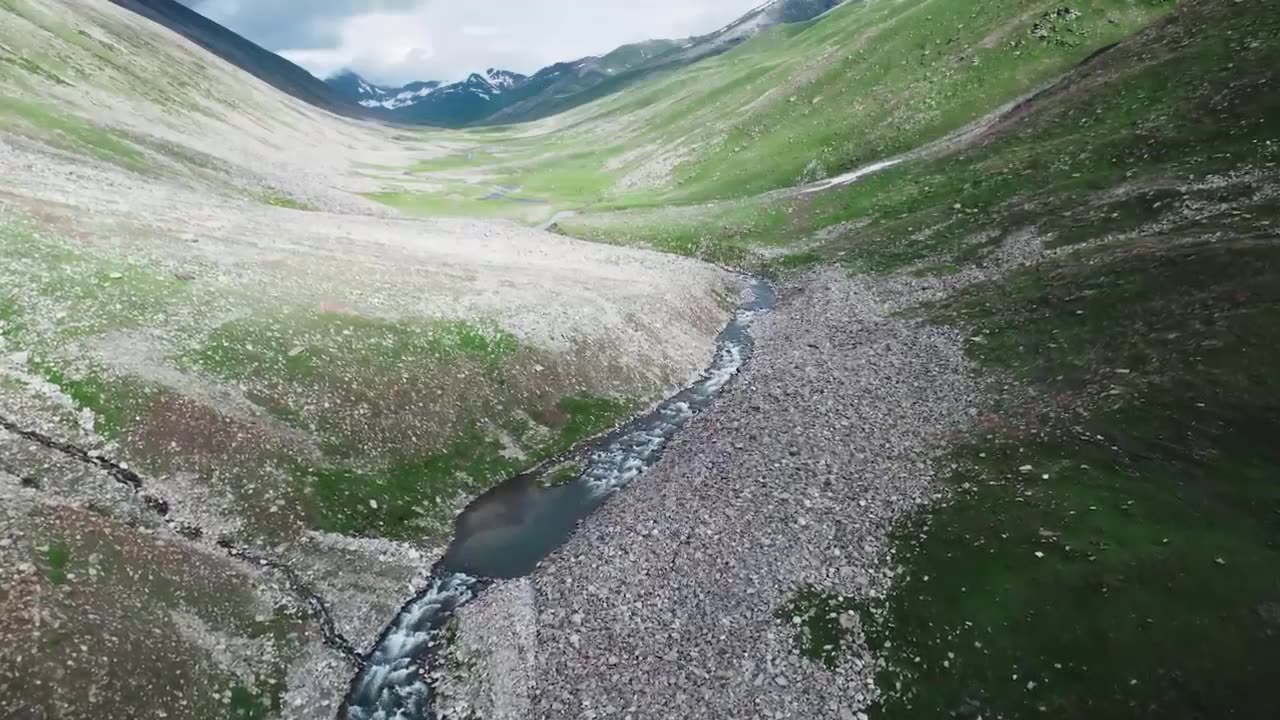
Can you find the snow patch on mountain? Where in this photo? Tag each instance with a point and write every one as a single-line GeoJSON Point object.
{"type": "Point", "coordinates": [406, 96]}
{"type": "Point", "coordinates": [504, 79]}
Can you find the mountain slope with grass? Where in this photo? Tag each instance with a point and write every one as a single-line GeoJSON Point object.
{"type": "Point", "coordinates": [240, 403]}
{"type": "Point", "coordinates": [1105, 547]}
{"type": "Point", "coordinates": [798, 103]}
{"type": "Point", "coordinates": [259, 62]}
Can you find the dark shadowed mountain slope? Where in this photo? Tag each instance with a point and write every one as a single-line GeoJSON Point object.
{"type": "Point", "coordinates": [257, 61]}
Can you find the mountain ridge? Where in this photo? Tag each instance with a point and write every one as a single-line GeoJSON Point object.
{"type": "Point", "coordinates": [565, 85]}
{"type": "Point", "coordinates": [264, 64]}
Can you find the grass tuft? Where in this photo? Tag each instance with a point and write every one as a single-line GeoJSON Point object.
{"type": "Point", "coordinates": [825, 624]}
{"type": "Point", "coordinates": [56, 559]}
{"type": "Point", "coordinates": [414, 499]}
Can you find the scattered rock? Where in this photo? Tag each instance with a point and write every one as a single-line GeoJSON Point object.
{"type": "Point", "coordinates": [698, 554]}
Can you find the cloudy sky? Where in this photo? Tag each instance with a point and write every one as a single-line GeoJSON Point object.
{"type": "Point", "coordinates": [396, 41]}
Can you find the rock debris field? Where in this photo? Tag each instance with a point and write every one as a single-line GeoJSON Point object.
{"type": "Point", "coordinates": [663, 605]}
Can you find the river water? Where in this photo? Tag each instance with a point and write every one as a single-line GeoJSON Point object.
{"type": "Point", "coordinates": [507, 531]}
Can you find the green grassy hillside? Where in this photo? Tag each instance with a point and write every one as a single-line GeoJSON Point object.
{"type": "Point", "coordinates": [797, 103]}
{"type": "Point", "coordinates": [1102, 182]}
{"type": "Point", "coordinates": [1108, 548]}
{"type": "Point", "coordinates": [1107, 553]}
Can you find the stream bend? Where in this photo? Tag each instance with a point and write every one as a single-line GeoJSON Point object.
{"type": "Point", "coordinates": [506, 532]}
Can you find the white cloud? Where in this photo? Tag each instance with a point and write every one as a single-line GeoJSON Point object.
{"type": "Point", "coordinates": [386, 44]}
{"type": "Point", "coordinates": [396, 41]}
{"type": "Point", "coordinates": [481, 30]}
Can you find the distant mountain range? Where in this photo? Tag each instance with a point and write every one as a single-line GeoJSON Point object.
{"type": "Point", "coordinates": [496, 96]}
{"type": "Point", "coordinates": [432, 103]}
{"type": "Point", "coordinates": [502, 96]}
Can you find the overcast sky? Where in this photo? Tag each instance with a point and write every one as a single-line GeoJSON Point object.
{"type": "Point", "coordinates": [397, 41]}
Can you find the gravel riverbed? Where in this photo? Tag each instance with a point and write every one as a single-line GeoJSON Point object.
{"type": "Point", "coordinates": [662, 605]}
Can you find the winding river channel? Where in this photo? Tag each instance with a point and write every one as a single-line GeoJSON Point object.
{"type": "Point", "coordinates": [507, 531]}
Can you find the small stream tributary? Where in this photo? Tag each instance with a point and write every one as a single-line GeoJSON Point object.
{"type": "Point", "coordinates": [562, 215]}
{"type": "Point", "coordinates": [507, 531]}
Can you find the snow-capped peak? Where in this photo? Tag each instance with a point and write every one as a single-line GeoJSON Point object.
{"type": "Point", "coordinates": [484, 87]}
{"type": "Point", "coordinates": [503, 79]}
{"type": "Point", "coordinates": [409, 95]}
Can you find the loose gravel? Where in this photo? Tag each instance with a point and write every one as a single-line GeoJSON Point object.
{"type": "Point", "coordinates": [662, 606]}
{"type": "Point", "coordinates": [489, 665]}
